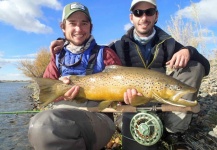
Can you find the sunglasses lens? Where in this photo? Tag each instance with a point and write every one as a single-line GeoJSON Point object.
{"type": "Point", "coordinates": [148, 12]}
{"type": "Point", "coordinates": [138, 13]}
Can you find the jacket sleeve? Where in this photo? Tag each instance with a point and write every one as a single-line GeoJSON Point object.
{"type": "Point", "coordinates": [110, 57]}
{"type": "Point", "coordinates": [51, 71]}
{"type": "Point", "coordinates": [196, 56]}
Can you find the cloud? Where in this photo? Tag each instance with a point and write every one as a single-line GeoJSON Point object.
{"type": "Point", "coordinates": [27, 56]}
{"type": "Point", "coordinates": [16, 59]}
{"type": "Point", "coordinates": [13, 76]}
{"type": "Point", "coordinates": [25, 14]}
{"type": "Point", "coordinates": [205, 11]}
{"type": "Point", "coordinates": [1, 54]}
{"type": "Point", "coordinates": [127, 26]}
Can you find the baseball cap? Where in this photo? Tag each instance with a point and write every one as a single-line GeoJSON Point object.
{"type": "Point", "coordinates": [73, 7]}
{"type": "Point", "coordinates": [134, 2]}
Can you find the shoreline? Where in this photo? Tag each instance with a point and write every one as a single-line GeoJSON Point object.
{"type": "Point", "coordinates": [8, 81]}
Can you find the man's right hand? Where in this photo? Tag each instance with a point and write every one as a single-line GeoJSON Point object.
{"type": "Point", "coordinates": [56, 46]}
{"type": "Point", "coordinates": [71, 93]}
{"type": "Point", "coordinates": [130, 95]}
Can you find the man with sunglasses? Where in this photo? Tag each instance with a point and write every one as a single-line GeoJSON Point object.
{"type": "Point", "coordinates": [146, 45]}
{"type": "Point", "coordinates": [67, 127]}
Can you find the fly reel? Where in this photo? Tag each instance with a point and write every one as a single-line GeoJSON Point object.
{"type": "Point", "coordinates": [146, 128]}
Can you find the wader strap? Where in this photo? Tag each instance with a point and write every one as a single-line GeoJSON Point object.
{"type": "Point", "coordinates": [92, 59]}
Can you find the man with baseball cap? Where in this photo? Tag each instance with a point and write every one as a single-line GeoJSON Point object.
{"type": "Point", "coordinates": [65, 127]}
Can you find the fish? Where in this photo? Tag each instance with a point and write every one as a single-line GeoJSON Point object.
{"type": "Point", "coordinates": [109, 86]}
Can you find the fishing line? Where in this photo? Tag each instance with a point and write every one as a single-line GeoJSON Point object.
{"type": "Point", "coordinates": [20, 112]}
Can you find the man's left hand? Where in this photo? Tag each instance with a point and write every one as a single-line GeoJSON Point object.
{"type": "Point", "coordinates": [179, 59]}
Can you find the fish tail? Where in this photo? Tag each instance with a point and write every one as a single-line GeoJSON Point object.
{"type": "Point", "coordinates": [48, 90]}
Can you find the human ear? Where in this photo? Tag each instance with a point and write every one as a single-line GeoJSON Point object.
{"type": "Point", "coordinates": [131, 18]}
{"type": "Point", "coordinates": [62, 26]}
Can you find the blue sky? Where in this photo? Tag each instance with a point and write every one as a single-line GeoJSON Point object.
{"type": "Point", "coordinates": [26, 26]}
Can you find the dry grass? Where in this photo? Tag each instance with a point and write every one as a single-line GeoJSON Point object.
{"type": "Point", "coordinates": [191, 32]}
{"type": "Point", "coordinates": [37, 67]}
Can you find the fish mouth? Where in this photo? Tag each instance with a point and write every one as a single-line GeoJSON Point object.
{"type": "Point", "coordinates": [177, 99]}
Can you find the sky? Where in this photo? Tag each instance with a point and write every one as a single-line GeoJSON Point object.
{"type": "Point", "coordinates": [26, 26]}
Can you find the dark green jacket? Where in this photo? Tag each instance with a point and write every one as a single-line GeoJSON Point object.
{"type": "Point", "coordinates": [163, 48]}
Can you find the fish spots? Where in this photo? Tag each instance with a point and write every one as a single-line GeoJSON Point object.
{"type": "Point", "coordinates": [111, 85]}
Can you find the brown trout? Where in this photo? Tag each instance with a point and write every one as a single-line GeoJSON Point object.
{"type": "Point", "coordinates": [109, 86]}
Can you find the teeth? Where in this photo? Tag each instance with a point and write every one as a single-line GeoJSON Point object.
{"type": "Point", "coordinates": [78, 35]}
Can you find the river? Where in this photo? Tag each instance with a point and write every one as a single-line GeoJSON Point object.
{"type": "Point", "coordinates": [14, 96]}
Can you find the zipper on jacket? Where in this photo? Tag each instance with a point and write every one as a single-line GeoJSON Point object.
{"type": "Point", "coordinates": [157, 49]}
{"type": "Point", "coordinates": [140, 54]}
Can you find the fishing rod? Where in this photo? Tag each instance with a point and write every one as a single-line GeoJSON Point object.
{"type": "Point", "coordinates": [20, 112]}
{"type": "Point", "coordinates": [146, 127]}
{"type": "Point", "coordinates": [129, 108]}
{"type": "Point", "coordinates": [125, 108]}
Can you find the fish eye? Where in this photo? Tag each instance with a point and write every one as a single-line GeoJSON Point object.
{"type": "Point", "coordinates": [173, 87]}
{"type": "Point", "coordinates": [178, 88]}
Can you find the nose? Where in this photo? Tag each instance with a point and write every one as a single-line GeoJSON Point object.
{"type": "Point", "coordinates": [78, 28]}
{"type": "Point", "coordinates": [144, 16]}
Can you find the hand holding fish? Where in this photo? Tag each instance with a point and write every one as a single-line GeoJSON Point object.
{"type": "Point", "coordinates": [71, 93]}
{"type": "Point", "coordinates": [130, 95]}
{"type": "Point", "coordinates": [179, 59]}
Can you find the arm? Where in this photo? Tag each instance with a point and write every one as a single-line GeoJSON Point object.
{"type": "Point", "coordinates": [196, 56]}
{"type": "Point", "coordinates": [56, 45]}
{"type": "Point", "coordinates": [51, 71]}
{"type": "Point", "coordinates": [181, 56]}
{"type": "Point", "coordinates": [110, 57]}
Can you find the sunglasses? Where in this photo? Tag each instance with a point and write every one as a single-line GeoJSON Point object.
{"type": "Point", "coordinates": [147, 12]}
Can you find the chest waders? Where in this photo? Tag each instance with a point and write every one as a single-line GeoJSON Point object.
{"type": "Point", "coordinates": [91, 61]}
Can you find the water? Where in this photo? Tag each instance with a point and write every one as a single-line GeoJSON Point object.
{"type": "Point", "coordinates": [14, 96]}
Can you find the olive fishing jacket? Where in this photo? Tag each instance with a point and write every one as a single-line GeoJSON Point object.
{"type": "Point", "coordinates": [163, 48]}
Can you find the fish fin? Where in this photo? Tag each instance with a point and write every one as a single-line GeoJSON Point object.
{"type": "Point", "coordinates": [111, 67]}
{"type": "Point", "coordinates": [47, 92]}
{"type": "Point", "coordinates": [181, 103]}
{"type": "Point", "coordinates": [114, 104]}
{"type": "Point", "coordinates": [158, 98]}
{"type": "Point", "coordinates": [139, 100]}
{"type": "Point", "coordinates": [104, 104]}
{"type": "Point", "coordinates": [161, 100]}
